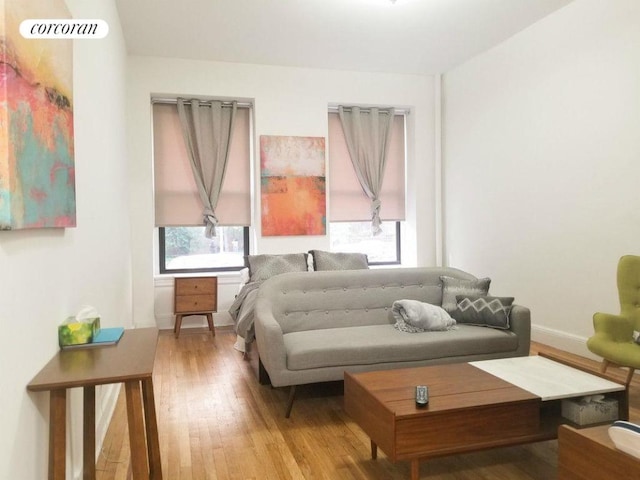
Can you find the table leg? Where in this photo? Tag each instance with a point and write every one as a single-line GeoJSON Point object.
{"type": "Point", "coordinates": [57, 434]}
{"type": "Point", "coordinates": [178, 325]}
{"type": "Point", "coordinates": [89, 434]}
{"type": "Point", "coordinates": [138, 444]}
{"type": "Point", "coordinates": [153, 443]}
{"type": "Point", "coordinates": [623, 404]}
{"type": "Point", "coordinates": [374, 450]}
{"type": "Point", "coordinates": [210, 322]}
{"type": "Point", "coordinates": [415, 469]}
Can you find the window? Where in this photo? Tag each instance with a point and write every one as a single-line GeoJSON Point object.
{"type": "Point", "coordinates": [383, 249]}
{"type": "Point", "coordinates": [186, 249]}
{"type": "Point", "coordinates": [350, 209]}
{"type": "Point", "coordinates": [183, 246]}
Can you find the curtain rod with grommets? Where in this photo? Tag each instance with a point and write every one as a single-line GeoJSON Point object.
{"type": "Point", "coordinates": [225, 103]}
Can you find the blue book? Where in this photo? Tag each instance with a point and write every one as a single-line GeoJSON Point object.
{"type": "Point", "coordinates": [108, 336]}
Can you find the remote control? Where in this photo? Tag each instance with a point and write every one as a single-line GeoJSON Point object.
{"type": "Point", "coordinates": [422, 396]}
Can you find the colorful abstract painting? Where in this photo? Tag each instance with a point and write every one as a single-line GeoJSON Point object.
{"type": "Point", "coordinates": [292, 177]}
{"type": "Point", "coordinates": [37, 171]}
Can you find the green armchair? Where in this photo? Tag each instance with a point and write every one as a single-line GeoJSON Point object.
{"type": "Point", "coordinates": [614, 334]}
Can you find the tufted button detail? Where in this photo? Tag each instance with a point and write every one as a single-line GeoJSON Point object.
{"type": "Point", "coordinates": [346, 311]}
{"type": "Point", "coordinates": [326, 312]}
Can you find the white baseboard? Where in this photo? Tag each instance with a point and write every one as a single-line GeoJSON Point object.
{"type": "Point", "coordinates": [562, 340]}
{"type": "Point", "coordinates": [106, 399]}
{"type": "Point", "coordinates": [104, 411]}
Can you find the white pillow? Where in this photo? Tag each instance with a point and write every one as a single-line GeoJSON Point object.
{"type": "Point", "coordinates": [414, 316]}
{"type": "Point", "coordinates": [244, 277]}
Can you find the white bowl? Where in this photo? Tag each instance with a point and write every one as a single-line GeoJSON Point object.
{"type": "Point", "coordinates": [626, 437]}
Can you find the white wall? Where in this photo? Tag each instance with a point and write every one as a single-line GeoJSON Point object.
{"type": "Point", "coordinates": [287, 101]}
{"type": "Point", "coordinates": [46, 275]}
{"type": "Point", "coordinates": [542, 160]}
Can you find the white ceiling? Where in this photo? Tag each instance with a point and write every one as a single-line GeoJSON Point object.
{"type": "Point", "coordinates": [410, 36]}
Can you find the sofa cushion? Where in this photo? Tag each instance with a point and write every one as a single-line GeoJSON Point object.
{"type": "Point", "coordinates": [451, 287]}
{"type": "Point", "coordinates": [338, 260]}
{"type": "Point", "coordinates": [483, 311]}
{"type": "Point", "coordinates": [262, 267]}
{"type": "Point", "coordinates": [371, 344]}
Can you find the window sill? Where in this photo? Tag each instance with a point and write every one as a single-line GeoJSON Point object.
{"type": "Point", "coordinates": [166, 279]}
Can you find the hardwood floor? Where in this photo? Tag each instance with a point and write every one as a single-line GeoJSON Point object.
{"type": "Point", "coordinates": [217, 422]}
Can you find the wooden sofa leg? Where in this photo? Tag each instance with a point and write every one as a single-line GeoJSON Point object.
{"type": "Point", "coordinates": [603, 367]}
{"type": "Point", "coordinates": [292, 395]}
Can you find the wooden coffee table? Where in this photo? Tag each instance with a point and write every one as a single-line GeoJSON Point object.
{"type": "Point", "coordinates": [472, 406]}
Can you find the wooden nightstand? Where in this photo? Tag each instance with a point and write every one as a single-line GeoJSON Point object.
{"type": "Point", "coordinates": [195, 296]}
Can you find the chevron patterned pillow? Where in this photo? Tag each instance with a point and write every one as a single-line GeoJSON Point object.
{"type": "Point", "coordinates": [483, 311]}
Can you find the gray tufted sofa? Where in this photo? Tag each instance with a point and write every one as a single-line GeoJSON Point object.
{"type": "Point", "coordinates": [313, 326]}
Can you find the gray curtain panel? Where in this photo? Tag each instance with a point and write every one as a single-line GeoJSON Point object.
{"type": "Point", "coordinates": [207, 128]}
{"type": "Point", "coordinates": [368, 132]}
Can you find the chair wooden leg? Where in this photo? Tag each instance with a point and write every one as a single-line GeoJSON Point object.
{"type": "Point", "coordinates": [630, 376]}
{"type": "Point", "coordinates": [607, 363]}
{"type": "Point", "coordinates": [292, 394]}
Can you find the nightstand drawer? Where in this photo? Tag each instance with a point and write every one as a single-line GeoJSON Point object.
{"type": "Point", "coordinates": [195, 303]}
{"type": "Point", "coordinates": [196, 286]}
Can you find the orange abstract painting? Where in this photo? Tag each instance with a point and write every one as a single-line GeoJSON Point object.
{"type": "Point", "coordinates": [293, 193]}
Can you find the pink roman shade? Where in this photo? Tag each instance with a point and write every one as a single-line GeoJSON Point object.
{"type": "Point", "coordinates": [348, 203]}
{"type": "Point", "coordinates": [176, 194]}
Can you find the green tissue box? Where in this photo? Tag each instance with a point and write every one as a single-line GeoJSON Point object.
{"type": "Point", "coordinates": [73, 332]}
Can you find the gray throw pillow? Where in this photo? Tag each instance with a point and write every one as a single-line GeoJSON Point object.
{"type": "Point", "coordinates": [262, 267]}
{"type": "Point", "coordinates": [483, 311]}
{"type": "Point", "coordinates": [339, 261]}
{"type": "Point", "coordinates": [451, 287]}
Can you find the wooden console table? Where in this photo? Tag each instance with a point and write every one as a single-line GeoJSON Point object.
{"type": "Point", "coordinates": [129, 362]}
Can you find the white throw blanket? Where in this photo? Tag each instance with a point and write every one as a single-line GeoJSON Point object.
{"type": "Point", "coordinates": [413, 316]}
